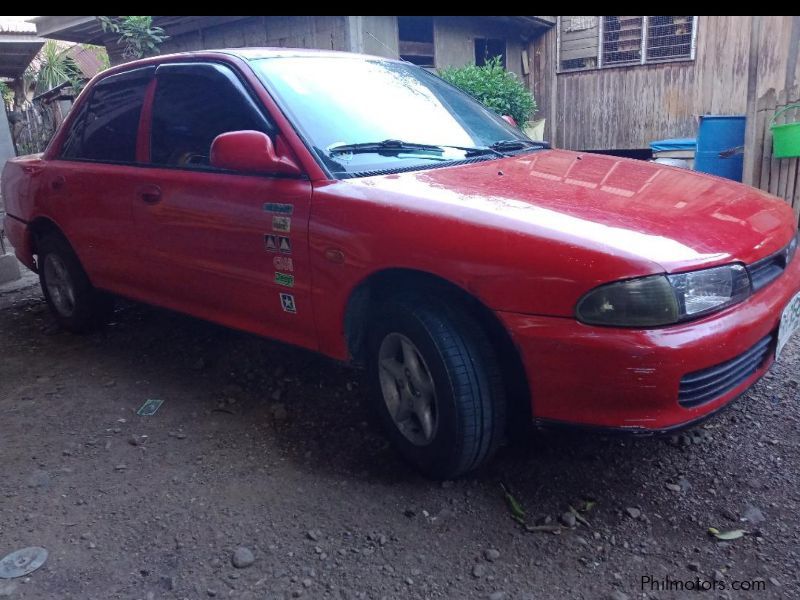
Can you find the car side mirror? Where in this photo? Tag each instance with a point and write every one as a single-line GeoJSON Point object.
{"type": "Point", "coordinates": [250, 152]}
{"type": "Point", "coordinates": [509, 119]}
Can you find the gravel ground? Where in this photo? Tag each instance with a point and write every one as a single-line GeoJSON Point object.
{"type": "Point", "coordinates": [262, 476]}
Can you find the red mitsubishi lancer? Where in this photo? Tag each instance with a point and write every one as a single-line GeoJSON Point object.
{"type": "Point", "coordinates": [364, 208]}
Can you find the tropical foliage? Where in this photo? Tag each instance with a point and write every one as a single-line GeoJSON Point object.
{"type": "Point", "coordinates": [6, 94]}
{"type": "Point", "coordinates": [496, 88]}
{"type": "Point", "coordinates": [137, 35]}
{"type": "Point", "coordinates": [52, 67]}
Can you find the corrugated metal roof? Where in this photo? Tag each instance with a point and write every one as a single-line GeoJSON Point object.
{"type": "Point", "coordinates": [16, 25]}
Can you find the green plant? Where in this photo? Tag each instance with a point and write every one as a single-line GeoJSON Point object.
{"type": "Point", "coordinates": [137, 35]}
{"type": "Point", "coordinates": [52, 67]}
{"type": "Point", "coordinates": [494, 87]}
{"type": "Point", "coordinates": [6, 94]}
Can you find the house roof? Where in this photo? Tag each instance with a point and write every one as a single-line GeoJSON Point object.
{"type": "Point", "coordinates": [18, 45]}
{"type": "Point", "coordinates": [89, 31]}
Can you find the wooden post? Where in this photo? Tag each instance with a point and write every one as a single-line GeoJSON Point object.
{"type": "Point", "coordinates": [753, 138]}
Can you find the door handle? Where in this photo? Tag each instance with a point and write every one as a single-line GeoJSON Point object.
{"type": "Point", "coordinates": [58, 183]}
{"type": "Point", "coordinates": [150, 194]}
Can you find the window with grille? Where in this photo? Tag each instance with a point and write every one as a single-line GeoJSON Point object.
{"type": "Point", "coordinates": [669, 37]}
{"type": "Point", "coordinates": [617, 41]}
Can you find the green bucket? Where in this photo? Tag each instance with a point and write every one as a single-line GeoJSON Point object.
{"type": "Point", "coordinates": [785, 137]}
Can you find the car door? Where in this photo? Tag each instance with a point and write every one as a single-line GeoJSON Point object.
{"type": "Point", "coordinates": [89, 188]}
{"type": "Point", "coordinates": [229, 247]}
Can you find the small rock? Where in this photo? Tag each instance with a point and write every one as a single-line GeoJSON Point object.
{"type": "Point", "coordinates": [314, 534]}
{"type": "Point", "coordinates": [684, 483]}
{"type": "Point", "coordinates": [135, 440]}
{"type": "Point", "coordinates": [774, 582]}
{"type": "Point", "coordinates": [693, 566]}
{"type": "Point", "coordinates": [279, 412]}
{"type": "Point", "coordinates": [242, 558]}
{"type": "Point", "coordinates": [633, 513]}
{"type": "Point", "coordinates": [479, 570]}
{"type": "Point", "coordinates": [39, 479]}
{"type": "Point", "coordinates": [307, 582]}
{"type": "Point", "coordinates": [382, 540]}
{"type": "Point", "coordinates": [491, 554]}
{"type": "Point", "coordinates": [617, 595]}
{"type": "Point", "coordinates": [753, 515]}
{"type": "Point", "coordinates": [568, 519]}
{"type": "Point", "coordinates": [120, 467]}
{"type": "Point", "coordinates": [673, 487]}
{"type": "Point", "coordinates": [717, 575]}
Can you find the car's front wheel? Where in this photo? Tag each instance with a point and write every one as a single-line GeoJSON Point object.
{"type": "Point", "coordinates": [75, 303]}
{"type": "Point", "coordinates": [436, 384]}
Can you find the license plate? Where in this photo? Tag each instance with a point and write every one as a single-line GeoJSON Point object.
{"type": "Point", "coordinates": [790, 322]}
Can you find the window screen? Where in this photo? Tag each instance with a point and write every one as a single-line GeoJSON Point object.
{"type": "Point", "coordinates": [194, 106]}
{"type": "Point", "coordinates": [616, 41]}
{"type": "Point", "coordinates": [107, 125]}
{"type": "Point", "coordinates": [669, 37]}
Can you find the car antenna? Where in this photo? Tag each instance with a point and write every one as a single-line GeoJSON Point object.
{"type": "Point", "coordinates": [392, 50]}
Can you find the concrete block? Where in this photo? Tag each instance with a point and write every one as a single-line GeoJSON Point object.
{"type": "Point", "coordinates": [9, 268]}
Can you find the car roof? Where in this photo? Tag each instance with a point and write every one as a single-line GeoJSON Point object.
{"type": "Point", "coordinates": [247, 54]}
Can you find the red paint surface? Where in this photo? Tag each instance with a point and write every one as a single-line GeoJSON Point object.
{"type": "Point", "coordinates": [527, 236]}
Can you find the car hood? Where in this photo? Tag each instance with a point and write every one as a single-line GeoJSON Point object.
{"type": "Point", "coordinates": [676, 218]}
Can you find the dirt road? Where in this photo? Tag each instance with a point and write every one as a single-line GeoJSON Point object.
{"type": "Point", "coordinates": [265, 447]}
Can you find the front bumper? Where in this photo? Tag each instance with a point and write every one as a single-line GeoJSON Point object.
{"type": "Point", "coordinates": [630, 378]}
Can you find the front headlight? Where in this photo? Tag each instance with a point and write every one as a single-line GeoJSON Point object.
{"type": "Point", "coordinates": [664, 299]}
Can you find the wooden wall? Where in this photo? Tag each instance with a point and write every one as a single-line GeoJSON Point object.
{"type": "Point", "coordinates": [323, 32]}
{"type": "Point", "coordinates": [774, 66]}
{"type": "Point", "coordinates": [778, 176]}
{"type": "Point", "coordinates": [454, 41]}
{"type": "Point", "coordinates": [627, 107]}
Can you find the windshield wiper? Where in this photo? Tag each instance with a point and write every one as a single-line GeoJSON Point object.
{"type": "Point", "coordinates": [395, 146]}
{"type": "Point", "coordinates": [517, 144]}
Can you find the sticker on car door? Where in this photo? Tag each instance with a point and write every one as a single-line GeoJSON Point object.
{"type": "Point", "coordinates": [287, 303]}
{"type": "Point", "coordinates": [276, 207]}
{"type": "Point", "coordinates": [282, 224]}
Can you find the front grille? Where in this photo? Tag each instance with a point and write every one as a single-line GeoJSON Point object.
{"type": "Point", "coordinates": [767, 270]}
{"type": "Point", "coordinates": [711, 383]}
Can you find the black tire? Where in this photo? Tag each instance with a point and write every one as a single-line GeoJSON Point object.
{"type": "Point", "coordinates": [88, 308]}
{"type": "Point", "coordinates": [470, 400]}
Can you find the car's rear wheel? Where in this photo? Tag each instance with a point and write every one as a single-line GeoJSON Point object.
{"type": "Point", "coordinates": [75, 303]}
{"type": "Point", "coordinates": [436, 385]}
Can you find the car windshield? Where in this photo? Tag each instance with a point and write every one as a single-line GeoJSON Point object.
{"type": "Point", "coordinates": [364, 115]}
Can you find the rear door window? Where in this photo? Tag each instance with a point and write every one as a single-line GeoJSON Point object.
{"type": "Point", "coordinates": [106, 128]}
{"type": "Point", "coordinates": [193, 104]}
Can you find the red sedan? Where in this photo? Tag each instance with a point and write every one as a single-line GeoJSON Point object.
{"type": "Point", "coordinates": [364, 208]}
